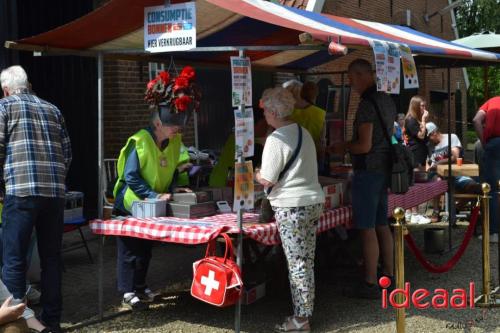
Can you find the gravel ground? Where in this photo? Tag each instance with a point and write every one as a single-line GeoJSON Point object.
{"type": "Point", "coordinates": [333, 312]}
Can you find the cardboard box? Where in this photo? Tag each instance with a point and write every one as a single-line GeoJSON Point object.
{"type": "Point", "coordinates": [334, 191]}
{"type": "Point", "coordinates": [253, 293]}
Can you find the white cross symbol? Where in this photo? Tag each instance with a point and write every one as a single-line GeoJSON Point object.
{"type": "Point", "coordinates": [210, 283]}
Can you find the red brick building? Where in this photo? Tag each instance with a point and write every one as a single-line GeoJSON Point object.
{"type": "Point", "coordinates": [125, 111]}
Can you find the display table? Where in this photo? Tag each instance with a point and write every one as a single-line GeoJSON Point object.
{"type": "Point", "coordinates": [202, 230]}
{"type": "Point", "coordinates": [417, 195]}
{"type": "Point", "coordinates": [469, 170]}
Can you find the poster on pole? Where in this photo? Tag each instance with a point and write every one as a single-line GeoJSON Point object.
{"type": "Point", "coordinates": [170, 28]}
{"type": "Point", "coordinates": [244, 132]}
{"type": "Point", "coordinates": [409, 69]}
{"type": "Point", "coordinates": [241, 74]}
{"type": "Point", "coordinates": [380, 55]}
{"type": "Point", "coordinates": [393, 69]}
{"type": "Point", "coordinates": [243, 186]}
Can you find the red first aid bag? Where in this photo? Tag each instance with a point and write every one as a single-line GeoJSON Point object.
{"type": "Point", "coordinates": [217, 280]}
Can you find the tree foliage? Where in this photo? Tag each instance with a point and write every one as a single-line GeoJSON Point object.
{"type": "Point", "coordinates": [476, 16]}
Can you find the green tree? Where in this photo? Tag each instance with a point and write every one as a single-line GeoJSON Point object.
{"type": "Point", "coordinates": [476, 16]}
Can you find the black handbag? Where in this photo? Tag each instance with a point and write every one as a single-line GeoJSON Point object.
{"type": "Point", "coordinates": [401, 166]}
{"type": "Point", "coordinates": [266, 211]}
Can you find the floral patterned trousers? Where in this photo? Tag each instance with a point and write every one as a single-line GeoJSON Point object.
{"type": "Point", "coordinates": [297, 228]}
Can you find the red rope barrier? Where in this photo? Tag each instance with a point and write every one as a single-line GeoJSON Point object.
{"type": "Point", "coordinates": [452, 262]}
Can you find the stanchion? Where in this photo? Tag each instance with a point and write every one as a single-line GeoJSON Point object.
{"type": "Point", "coordinates": [486, 299]}
{"type": "Point", "coordinates": [399, 230]}
{"type": "Point", "coordinates": [496, 292]}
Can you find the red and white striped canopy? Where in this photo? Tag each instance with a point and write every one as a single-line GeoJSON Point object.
{"type": "Point", "coordinates": [117, 27]}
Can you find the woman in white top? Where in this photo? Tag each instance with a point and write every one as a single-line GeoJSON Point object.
{"type": "Point", "coordinates": [296, 197]}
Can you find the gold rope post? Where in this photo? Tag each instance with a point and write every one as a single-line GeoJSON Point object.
{"type": "Point", "coordinates": [485, 299]}
{"type": "Point", "coordinates": [399, 215]}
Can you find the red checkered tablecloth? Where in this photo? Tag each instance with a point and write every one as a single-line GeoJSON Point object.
{"type": "Point", "coordinates": [417, 195]}
{"type": "Point", "coordinates": [202, 230]}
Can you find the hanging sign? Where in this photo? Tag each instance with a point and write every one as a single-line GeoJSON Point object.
{"type": "Point", "coordinates": [170, 28]}
{"type": "Point", "coordinates": [243, 186]}
{"type": "Point", "coordinates": [380, 54]}
{"type": "Point", "coordinates": [393, 69]}
{"type": "Point", "coordinates": [409, 68]}
{"type": "Point", "coordinates": [241, 74]}
{"type": "Point", "coordinates": [244, 132]}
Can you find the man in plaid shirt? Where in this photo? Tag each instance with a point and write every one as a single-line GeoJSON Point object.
{"type": "Point", "coordinates": [35, 153]}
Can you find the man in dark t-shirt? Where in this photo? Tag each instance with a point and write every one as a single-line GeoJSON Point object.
{"type": "Point", "coordinates": [370, 154]}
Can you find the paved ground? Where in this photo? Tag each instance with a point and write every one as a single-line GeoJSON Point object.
{"type": "Point", "coordinates": [179, 312]}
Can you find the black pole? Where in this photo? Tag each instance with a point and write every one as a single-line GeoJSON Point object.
{"type": "Point", "coordinates": [451, 206]}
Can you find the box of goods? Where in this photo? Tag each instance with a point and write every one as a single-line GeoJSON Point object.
{"type": "Point", "coordinates": [188, 210]}
{"type": "Point", "coordinates": [73, 200]}
{"type": "Point", "coordinates": [341, 171]}
{"type": "Point", "coordinates": [193, 197]}
{"type": "Point", "coordinates": [73, 208]}
{"type": "Point", "coordinates": [253, 292]}
{"type": "Point", "coordinates": [334, 191]}
{"type": "Point", "coordinates": [149, 208]}
{"type": "Point", "coordinates": [214, 192]}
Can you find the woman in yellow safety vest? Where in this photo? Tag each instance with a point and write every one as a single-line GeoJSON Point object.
{"type": "Point", "coordinates": [147, 168]}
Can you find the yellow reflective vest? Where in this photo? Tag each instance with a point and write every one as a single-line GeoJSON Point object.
{"type": "Point", "coordinates": [157, 167]}
{"type": "Point", "coordinates": [312, 119]}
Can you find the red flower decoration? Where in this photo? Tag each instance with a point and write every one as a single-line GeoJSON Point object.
{"type": "Point", "coordinates": [152, 83]}
{"type": "Point", "coordinates": [182, 103]}
{"type": "Point", "coordinates": [181, 83]}
{"type": "Point", "coordinates": [189, 73]}
{"type": "Point", "coordinates": [164, 76]}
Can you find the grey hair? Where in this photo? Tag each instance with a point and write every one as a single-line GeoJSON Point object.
{"type": "Point", "coordinates": [13, 79]}
{"type": "Point", "coordinates": [295, 87]}
{"type": "Point", "coordinates": [279, 101]}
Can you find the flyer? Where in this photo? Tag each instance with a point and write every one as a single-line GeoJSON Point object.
{"type": "Point", "coordinates": [170, 28]}
{"type": "Point", "coordinates": [409, 68]}
{"type": "Point", "coordinates": [241, 74]}
{"type": "Point", "coordinates": [244, 132]}
{"type": "Point", "coordinates": [380, 55]}
{"type": "Point", "coordinates": [243, 186]}
{"type": "Point", "coordinates": [393, 69]}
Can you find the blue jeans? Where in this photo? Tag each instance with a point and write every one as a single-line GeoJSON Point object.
{"type": "Point", "coordinates": [20, 215]}
{"type": "Point", "coordinates": [369, 199]}
{"type": "Point", "coordinates": [491, 174]}
{"type": "Point", "coordinates": [134, 256]}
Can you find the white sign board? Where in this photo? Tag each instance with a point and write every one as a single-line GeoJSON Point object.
{"type": "Point", "coordinates": [241, 74]}
{"type": "Point", "coordinates": [380, 55]}
{"type": "Point", "coordinates": [171, 28]}
{"type": "Point", "coordinates": [244, 132]}
{"type": "Point", "coordinates": [409, 67]}
{"type": "Point", "coordinates": [393, 69]}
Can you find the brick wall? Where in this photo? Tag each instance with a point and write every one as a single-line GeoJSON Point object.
{"type": "Point", "coordinates": [125, 111]}
{"type": "Point", "coordinates": [381, 11]}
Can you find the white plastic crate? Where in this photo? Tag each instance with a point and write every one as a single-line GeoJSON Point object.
{"type": "Point", "coordinates": [149, 208]}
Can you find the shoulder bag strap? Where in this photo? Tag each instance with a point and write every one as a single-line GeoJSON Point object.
{"type": "Point", "coordinates": [291, 160]}
{"type": "Point", "coordinates": [384, 128]}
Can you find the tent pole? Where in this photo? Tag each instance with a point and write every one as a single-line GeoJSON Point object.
{"type": "Point", "coordinates": [239, 250]}
{"type": "Point", "coordinates": [451, 206]}
{"type": "Point", "coordinates": [100, 199]}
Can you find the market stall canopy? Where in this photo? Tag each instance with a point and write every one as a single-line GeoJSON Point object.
{"type": "Point", "coordinates": [116, 28]}
{"type": "Point", "coordinates": [485, 40]}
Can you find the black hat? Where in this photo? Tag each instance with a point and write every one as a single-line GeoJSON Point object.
{"type": "Point", "coordinates": [174, 119]}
